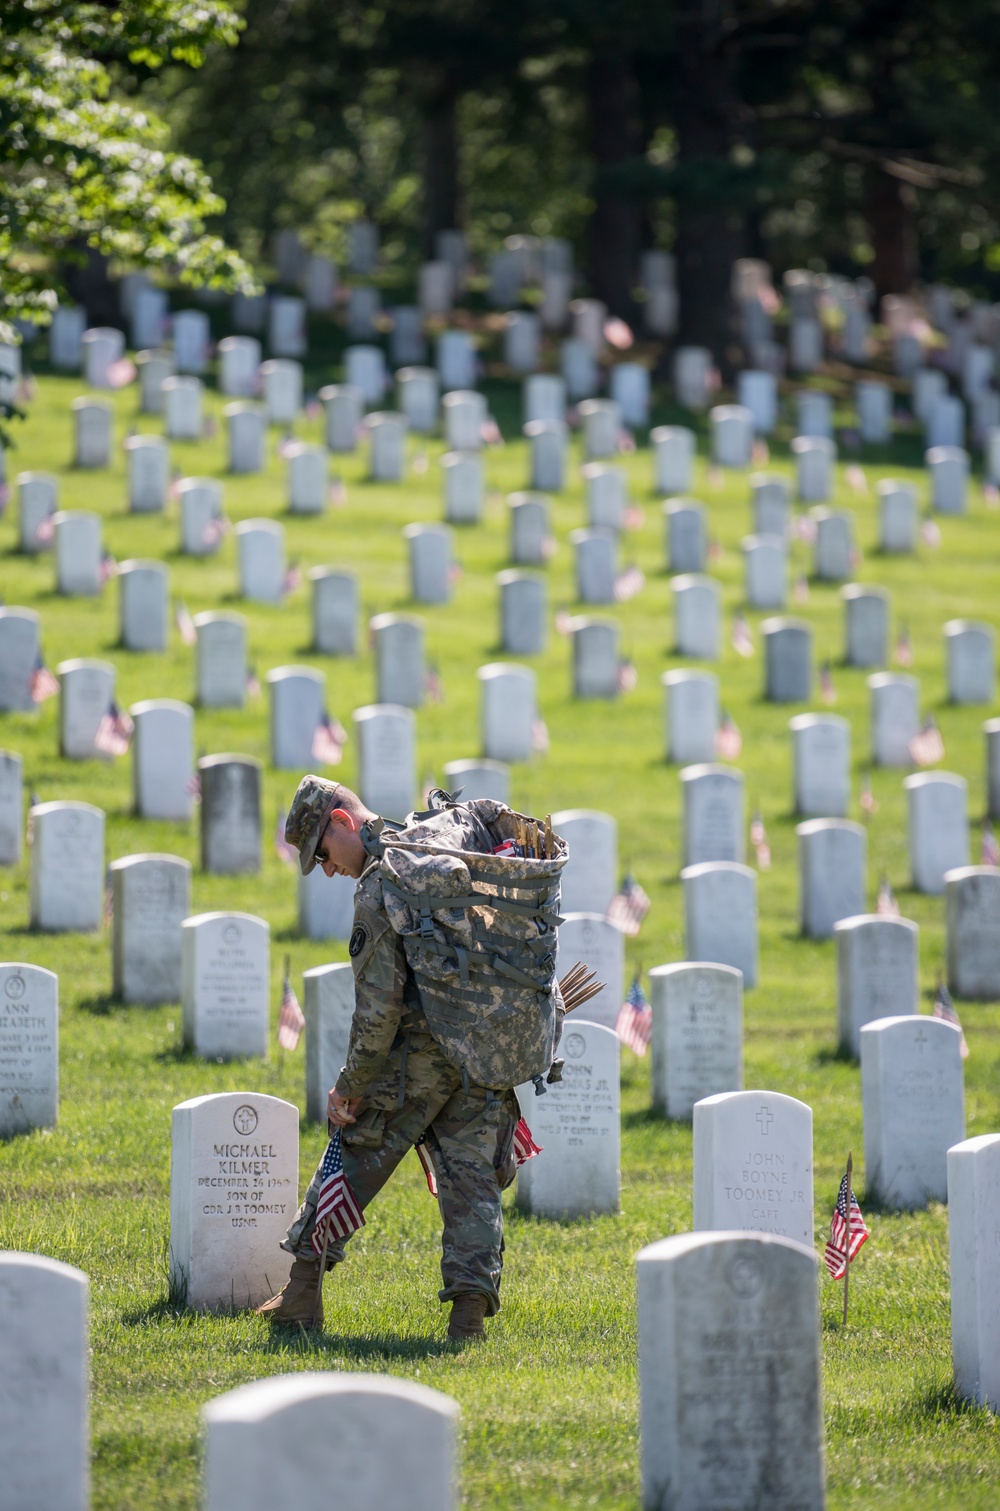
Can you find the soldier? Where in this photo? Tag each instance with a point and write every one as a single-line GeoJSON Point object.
{"type": "Point", "coordinates": [398, 1086]}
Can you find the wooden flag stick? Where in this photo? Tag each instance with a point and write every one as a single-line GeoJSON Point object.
{"type": "Point", "coordinates": [847, 1266]}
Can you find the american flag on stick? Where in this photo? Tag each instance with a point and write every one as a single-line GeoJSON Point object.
{"type": "Point", "coordinates": [291, 1020]}
{"type": "Point", "coordinates": [121, 373]}
{"type": "Point", "coordinates": [634, 1024]}
{"type": "Point", "coordinates": [185, 624]}
{"type": "Point", "coordinates": [742, 638]}
{"type": "Point", "coordinates": [626, 677]}
{"type": "Point", "coordinates": [885, 904]}
{"type": "Point", "coordinates": [43, 684]}
{"type": "Point", "coordinates": [927, 747]}
{"type": "Point", "coordinates": [728, 740]}
{"type": "Point", "coordinates": [904, 649]}
{"type": "Point", "coordinates": [46, 530]}
{"type": "Point", "coordinates": [758, 838]}
{"type": "Point", "coordinates": [629, 906]}
{"type": "Point", "coordinates": [629, 583]}
{"type": "Point", "coordinates": [847, 1232]}
{"type": "Point", "coordinates": [827, 690]}
{"type": "Point", "coordinates": [337, 1212]}
{"type": "Point", "coordinates": [108, 568]}
{"type": "Point", "coordinates": [215, 532]}
{"type": "Point", "coordinates": [867, 798]}
{"type": "Point", "coordinates": [930, 534]}
{"type": "Point", "coordinates": [539, 737]}
{"type": "Point", "coordinates": [328, 741]}
{"type": "Point", "coordinates": [292, 579]}
{"type": "Point", "coordinates": [800, 592]}
{"type": "Point", "coordinates": [989, 849]}
{"type": "Point", "coordinates": [253, 683]}
{"type": "Point", "coordinates": [433, 686]}
{"type": "Point", "coordinates": [944, 1009]}
{"type": "Point", "coordinates": [114, 732]}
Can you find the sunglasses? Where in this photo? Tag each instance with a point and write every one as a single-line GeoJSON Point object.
{"type": "Point", "coordinates": [320, 851]}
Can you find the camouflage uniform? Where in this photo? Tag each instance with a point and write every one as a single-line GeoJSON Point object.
{"type": "Point", "coordinates": [411, 1091]}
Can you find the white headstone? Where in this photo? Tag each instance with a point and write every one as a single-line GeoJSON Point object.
{"type": "Point", "coordinates": [38, 501]}
{"type": "Point", "coordinates": [286, 326]}
{"type": "Point", "coordinates": [877, 973]}
{"type": "Point", "coordinates": [44, 1388]}
{"type": "Point", "coordinates": [692, 376]}
{"type": "Point", "coordinates": [11, 807]}
{"type": "Point", "coordinates": [29, 1060]}
{"type": "Point", "coordinates": [814, 457]}
{"type": "Point", "coordinates": [239, 361]}
{"type": "Point", "coordinates": [417, 398]}
{"type": "Point", "coordinates": [944, 427]}
{"type": "Point", "coordinates": [577, 1124]}
{"type": "Point", "coordinates": [182, 404]}
{"type": "Point", "coordinates": [897, 503]}
{"type": "Point", "coordinates": [102, 346]}
{"type": "Point", "coordinates": [971, 654]}
{"type": "Point", "coordinates": [328, 1006]}
{"type": "Point", "coordinates": [601, 428]}
{"type": "Point", "coordinates": [788, 660]}
{"type": "Point", "coordinates": [866, 625]}
{"type": "Point", "coordinates": [772, 504]}
{"type": "Point", "coordinates": [607, 495]}
{"type": "Point", "coordinates": [832, 858]}
{"type": "Point", "coordinates": [234, 1164]}
{"type": "Point", "coordinates": [308, 478]}
{"type": "Point", "coordinates": [814, 413]}
{"type": "Point", "coordinates": [523, 617]}
{"type": "Point", "coordinates": [948, 467]}
{"type": "Point", "coordinates": [720, 1313]}
{"type": "Point", "coordinates": [151, 897]}
{"type": "Point", "coordinates": [521, 341]}
{"type": "Point", "coordinates": [834, 558]}
{"type": "Point", "coordinates": [387, 758]}
{"type": "Point", "coordinates": [364, 369]}
{"type": "Point", "coordinates": [407, 342]}
{"type": "Point", "coordinates": [874, 402]}
{"type": "Point", "coordinates": [326, 911]}
{"type": "Point", "coordinates": [600, 945]}
{"type": "Point", "coordinates": [914, 1107]}
{"type": "Point", "coordinates": [765, 568]}
{"type": "Point", "coordinates": [245, 431]}
{"type": "Point", "coordinates": [221, 660]}
{"type": "Point", "coordinates": [972, 918]}
{"type": "Point", "coordinates": [697, 618]}
{"type": "Point", "coordinates": [895, 717]}
{"type": "Point", "coordinates": [673, 458]}
{"type": "Point", "coordinates": [973, 1212]}
{"type": "Point", "coordinates": [19, 653]}
{"type": "Point", "coordinates": [595, 658]}
{"type": "Point", "coordinates": [509, 710]}
{"type": "Point", "coordinates": [753, 1165]}
{"type": "Point", "coordinates": [757, 392]}
{"type": "Point", "coordinates": [481, 778]}
{"type": "Point", "coordinates": [805, 345]}
{"type": "Point", "coordinates": [387, 457]}
{"type": "Point", "coordinates": [319, 284]}
{"type": "Point", "coordinates": [692, 716]}
{"type": "Point", "coordinates": [230, 814]}
{"type": "Point", "coordinates": [297, 699]}
{"type": "Point", "coordinates": [629, 388]}
{"type": "Point", "coordinates": [547, 446]}
{"type": "Point", "coordinates": [714, 820]}
{"type": "Point", "coordinates": [399, 659]}
{"type": "Point", "coordinates": [343, 406]}
{"type": "Point", "coordinates": [78, 554]}
{"type": "Point", "coordinates": [148, 472]}
{"type": "Point", "coordinates": [200, 500]}
{"type": "Point", "coordinates": [464, 414]}
{"type": "Point", "coordinates": [456, 360]}
{"type": "Point", "coordinates": [731, 435]}
{"type": "Point", "coordinates": [260, 545]}
{"type": "Point", "coordinates": [163, 759]}
{"type": "Point", "coordinates": [697, 1039]}
{"type": "Point", "coordinates": [821, 761]}
{"type": "Point", "coordinates": [143, 593]}
{"type": "Point", "coordinates": [191, 340]}
{"type": "Point", "coordinates": [464, 487]}
{"type": "Point", "coordinates": [225, 962]}
{"type": "Point", "coordinates": [67, 867]}
{"type": "Point", "coordinates": [86, 691]}
{"type": "Point", "coordinates": [937, 827]}
{"type": "Point", "coordinates": [686, 535]}
{"type": "Point", "coordinates": [430, 553]}
{"type": "Point", "coordinates": [154, 368]}
{"type": "Point", "coordinates": [66, 337]}
{"type": "Point", "coordinates": [362, 245]}
{"type": "Point", "coordinates": [383, 1442]}
{"type": "Point", "coordinates": [590, 876]}
{"type": "Point", "coordinates": [544, 397]}
{"type": "Point", "coordinates": [579, 369]}
{"type": "Point", "coordinates": [282, 383]}
{"type": "Point", "coordinates": [595, 553]}
{"type": "Point", "coordinates": [529, 529]}
{"type": "Point", "coordinates": [92, 421]}
{"type": "Point", "coordinates": [335, 611]}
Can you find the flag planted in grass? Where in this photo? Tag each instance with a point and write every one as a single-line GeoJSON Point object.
{"type": "Point", "coordinates": [989, 849]}
{"type": "Point", "coordinates": [629, 583]}
{"type": "Point", "coordinates": [626, 677]}
{"type": "Point", "coordinates": [121, 373]}
{"type": "Point", "coordinates": [886, 905]}
{"type": "Point", "coordinates": [840, 1250]}
{"type": "Point", "coordinates": [114, 732]}
{"type": "Point", "coordinates": [758, 838]}
{"type": "Point", "coordinates": [904, 648]}
{"type": "Point", "coordinates": [328, 741]}
{"type": "Point", "coordinates": [742, 638]}
{"type": "Point", "coordinates": [634, 1024]}
{"type": "Point", "coordinates": [728, 740]}
{"type": "Point", "coordinates": [827, 690]}
{"type": "Point", "coordinates": [867, 798]}
{"type": "Point", "coordinates": [44, 684]}
{"type": "Point", "coordinates": [291, 1019]}
{"type": "Point", "coordinates": [944, 1009]}
{"type": "Point", "coordinates": [337, 1212]}
{"type": "Point", "coordinates": [185, 624]}
{"type": "Point", "coordinates": [927, 747]}
{"type": "Point", "coordinates": [629, 906]}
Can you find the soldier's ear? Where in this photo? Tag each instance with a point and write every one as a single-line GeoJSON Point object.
{"type": "Point", "coordinates": [343, 818]}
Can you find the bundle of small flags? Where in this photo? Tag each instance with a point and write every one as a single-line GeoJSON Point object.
{"type": "Point", "coordinates": [944, 1008]}
{"type": "Point", "coordinates": [185, 624]}
{"type": "Point", "coordinates": [826, 688]}
{"type": "Point", "coordinates": [989, 849]}
{"type": "Point", "coordinates": [927, 747]}
{"type": "Point", "coordinates": [885, 904]}
{"type": "Point", "coordinates": [114, 732]}
{"type": "Point", "coordinates": [635, 1018]}
{"type": "Point", "coordinates": [282, 848]}
{"type": "Point", "coordinates": [43, 683]}
{"type": "Point", "coordinates": [337, 1212]}
{"type": "Point", "coordinates": [525, 1148]}
{"type": "Point", "coordinates": [328, 741]}
{"type": "Point", "coordinates": [904, 649]}
{"type": "Point", "coordinates": [629, 583]}
{"type": "Point", "coordinates": [629, 906]}
{"type": "Point", "coordinates": [742, 638]}
{"type": "Point", "coordinates": [867, 798]}
{"type": "Point", "coordinates": [433, 686]}
{"type": "Point", "coordinates": [291, 1019]}
{"type": "Point", "coordinates": [728, 740]}
{"type": "Point", "coordinates": [626, 677]}
{"type": "Point", "coordinates": [758, 838]}
{"type": "Point", "coordinates": [840, 1252]}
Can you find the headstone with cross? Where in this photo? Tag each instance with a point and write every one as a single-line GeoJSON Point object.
{"type": "Point", "coordinates": [753, 1166]}
{"type": "Point", "coordinates": [912, 1092]}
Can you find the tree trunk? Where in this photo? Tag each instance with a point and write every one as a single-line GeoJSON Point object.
{"type": "Point", "coordinates": [440, 167]}
{"type": "Point", "coordinates": [710, 230]}
{"type": "Point", "coordinates": [613, 228]}
{"type": "Point", "coordinates": [890, 216]}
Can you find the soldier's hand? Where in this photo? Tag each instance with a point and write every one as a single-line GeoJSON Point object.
{"type": "Point", "coordinates": [340, 1110]}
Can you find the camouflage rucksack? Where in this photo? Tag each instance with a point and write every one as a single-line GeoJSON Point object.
{"type": "Point", "coordinates": [479, 932]}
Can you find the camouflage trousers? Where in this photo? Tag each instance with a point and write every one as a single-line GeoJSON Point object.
{"type": "Point", "coordinates": [469, 1135]}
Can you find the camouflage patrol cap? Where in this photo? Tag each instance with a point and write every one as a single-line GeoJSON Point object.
{"type": "Point", "coordinates": [314, 801]}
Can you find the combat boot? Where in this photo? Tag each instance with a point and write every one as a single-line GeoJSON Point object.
{"type": "Point", "coordinates": [468, 1312]}
{"type": "Point", "coordinates": [297, 1301]}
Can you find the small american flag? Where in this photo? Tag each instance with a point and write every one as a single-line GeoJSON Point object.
{"type": "Point", "coordinates": [209, 427]}
{"type": "Point", "coordinates": [121, 373]}
{"type": "Point", "coordinates": [282, 848]}
{"type": "Point", "coordinates": [635, 1018]}
{"type": "Point", "coordinates": [904, 649]}
{"type": "Point", "coordinates": [618, 334]}
{"type": "Point", "coordinates": [253, 683]}
{"type": "Point", "coordinates": [867, 798]}
{"type": "Point", "coordinates": [886, 905]}
{"type": "Point", "coordinates": [838, 1253]}
{"type": "Point", "coordinates": [634, 517]}
{"type": "Point", "coordinates": [714, 477]}
{"type": "Point", "coordinates": [728, 740]}
{"type": "Point", "coordinates": [800, 592]}
{"type": "Point", "coordinates": [927, 747]}
{"type": "Point", "coordinates": [114, 732]}
{"type": "Point", "coordinates": [4, 496]}
{"type": "Point", "coordinates": [26, 389]}
{"type": "Point", "coordinates": [930, 534]}
{"type": "Point", "coordinates": [944, 1008]}
{"type": "Point", "coordinates": [742, 638]}
{"type": "Point", "coordinates": [539, 737]}
{"type": "Point", "coordinates": [827, 691]}
{"type": "Point", "coordinates": [629, 583]}
{"type": "Point", "coordinates": [285, 445]}
{"type": "Point", "coordinates": [337, 1212]}
{"type": "Point", "coordinates": [855, 478]}
{"type": "Point", "coordinates": [758, 838]}
{"type": "Point", "coordinates": [193, 787]}
{"type": "Point", "coordinates": [626, 441]}
{"type": "Point", "coordinates": [291, 1020]}
{"type": "Point", "coordinates": [185, 624]}
{"type": "Point", "coordinates": [427, 1163]}
{"type": "Point", "coordinates": [214, 532]}
{"type": "Point", "coordinates": [626, 677]}
{"type": "Point", "coordinates": [629, 906]}
{"type": "Point", "coordinates": [804, 529]}
{"type": "Point", "coordinates": [108, 568]}
{"type": "Point", "coordinates": [564, 621]}
{"type": "Point", "coordinates": [525, 1147]}
{"type": "Point", "coordinates": [292, 579]}
{"type": "Point", "coordinates": [46, 532]}
{"type": "Point", "coordinates": [433, 686]}
{"type": "Point", "coordinates": [989, 850]}
{"type": "Point", "coordinates": [328, 741]}
{"type": "Point", "coordinates": [715, 551]}
{"type": "Point", "coordinates": [338, 493]}
{"type": "Point", "coordinates": [761, 453]}
{"type": "Point", "coordinates": [489, 432]}
{"type": "Point", "coordinates": [421, 463]}
{"type": "Point", "coordinates": [43, 683]}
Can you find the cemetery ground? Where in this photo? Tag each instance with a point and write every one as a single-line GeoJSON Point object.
{"type": "Point", "coordinates": [550, 1403]}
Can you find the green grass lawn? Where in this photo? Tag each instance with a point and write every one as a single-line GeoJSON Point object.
{"type": "Point", "coordinates": [550, 1404]}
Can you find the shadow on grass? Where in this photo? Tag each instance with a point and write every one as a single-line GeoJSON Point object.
{"type": "Point", "coordinates": [648, 1117]}
{"type": "Point", "coordinates": [833, 1055]}
{"type": "Point", "coordinates": [102, 1005]}
{"type": "Point", "coordinates": [320, 1341]}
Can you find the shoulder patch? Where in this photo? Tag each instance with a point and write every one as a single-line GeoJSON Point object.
{"type": "Point", "coordinates": [359, 938]}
